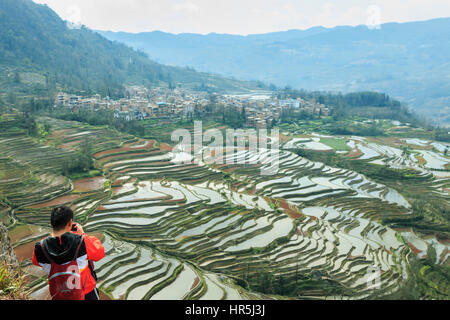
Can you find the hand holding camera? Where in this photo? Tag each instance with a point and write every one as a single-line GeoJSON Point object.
{"type": "Point", "coordinates": [76, 227]}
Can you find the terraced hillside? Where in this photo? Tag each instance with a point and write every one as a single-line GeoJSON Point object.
{"type": "Point", "coordinates": [198, 231]}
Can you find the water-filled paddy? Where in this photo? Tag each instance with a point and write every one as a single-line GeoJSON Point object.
{"type": "Point", "coordinates": [192, 212]}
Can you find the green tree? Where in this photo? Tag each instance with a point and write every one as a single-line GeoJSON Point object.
{"type": "Point", "coordinates": [431, 255]}
{"type": "Point", "coordinates": [85, 155]}
{"type": "Point", "coordinates": [405, 152]}
{"type": "Point", "coordinates": [2, 106]}
{"type": "Point", "coordinates": [11, 98]}
{"type": "Point", "coordinates": [16, 77]}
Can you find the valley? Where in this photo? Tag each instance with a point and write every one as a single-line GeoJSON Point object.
{"type": "Point", "coordinates": [197, 231]}
{"type": "Point", "coordinates": [314, 165]}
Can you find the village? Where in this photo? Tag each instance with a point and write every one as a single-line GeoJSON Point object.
{"type": "Point", "coordinates": [142, 103]}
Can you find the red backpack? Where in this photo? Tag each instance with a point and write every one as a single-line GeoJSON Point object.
{"type": "Point", "coordinates": [64, 280]}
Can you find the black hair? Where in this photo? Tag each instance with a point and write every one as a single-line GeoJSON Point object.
{"type": "Point", "coordinates": [60, 217]}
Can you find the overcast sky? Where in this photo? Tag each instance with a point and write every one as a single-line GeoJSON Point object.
{"type": "Point", "coordinates": [241, 16]}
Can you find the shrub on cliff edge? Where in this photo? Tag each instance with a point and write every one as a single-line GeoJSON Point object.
{"type": "Point", "coordinates": [12, 284]}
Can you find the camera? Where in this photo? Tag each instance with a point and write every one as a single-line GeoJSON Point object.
{"type": "Point", "coordinates": [74, 227]}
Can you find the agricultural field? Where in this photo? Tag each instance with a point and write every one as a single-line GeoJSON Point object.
{"type": "Point", "coordinates": [314, 230]}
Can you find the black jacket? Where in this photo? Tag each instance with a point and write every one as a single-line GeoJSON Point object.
{"type": "Point", "coordinates": [60, 249]}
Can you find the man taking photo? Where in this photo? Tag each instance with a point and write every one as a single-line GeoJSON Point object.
{"type": "Point", "coordinates": [67, 256]}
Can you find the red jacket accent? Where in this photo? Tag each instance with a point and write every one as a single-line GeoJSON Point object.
{"type": "Point", "coordinates": [93, 251]}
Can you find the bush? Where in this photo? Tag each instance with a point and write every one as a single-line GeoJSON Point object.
{"type": "Point", "coordinates": [82, 162]}
{"type": "Point", "coordinates": [12, 284]}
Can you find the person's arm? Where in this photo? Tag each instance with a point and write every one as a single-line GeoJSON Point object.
{"type": "Point", "coordinates": [94, 248]}
{"type": "Point", "coordinates": [34, 259]}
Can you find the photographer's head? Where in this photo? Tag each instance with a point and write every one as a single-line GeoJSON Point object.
{"type": "Point", "coordinates": [61, 218]}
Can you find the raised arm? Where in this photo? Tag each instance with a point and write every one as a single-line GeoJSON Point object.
{"type": "Point", "coordinates": [94, 248]}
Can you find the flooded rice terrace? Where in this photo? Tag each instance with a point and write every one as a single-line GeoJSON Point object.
{"type": "Point", "coordinates": [174, 231]}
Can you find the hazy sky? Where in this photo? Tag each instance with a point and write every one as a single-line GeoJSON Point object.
{"type": "Point", "coordinates": [241, 16]}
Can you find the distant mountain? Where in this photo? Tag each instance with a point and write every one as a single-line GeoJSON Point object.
{"type": "Point", "coordinates": [409, 61]}
{"type": "Point", "coordinates": [38, 50]}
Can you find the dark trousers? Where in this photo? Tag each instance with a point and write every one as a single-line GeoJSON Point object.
{"type": "Point", "coordinates": [93, 295]}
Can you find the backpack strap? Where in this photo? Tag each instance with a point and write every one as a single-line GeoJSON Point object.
{"type": "Point", "coordinates": [76, 255]}
{"type": "Point", "coordinates": [44, 250]}
{"type": "Point", "coordinates": [78, 248]}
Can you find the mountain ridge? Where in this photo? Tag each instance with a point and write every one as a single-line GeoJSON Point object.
{"type": "Point", "coordinates": [406, 60]}
{"type": "Point", "coordinates": [34, 39]}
